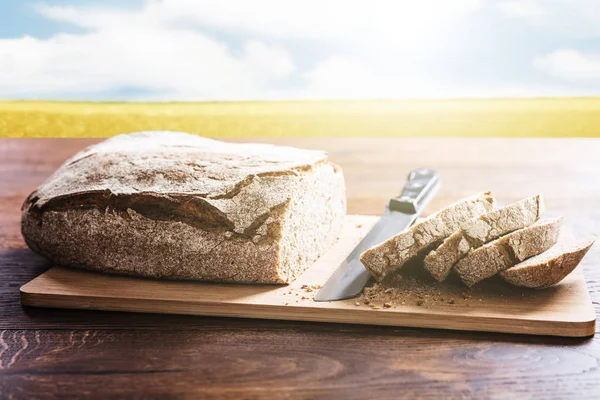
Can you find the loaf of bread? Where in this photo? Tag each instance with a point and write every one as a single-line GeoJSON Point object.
{"type": "Point", "coordinates": [509, 250]}
{"type": "Point", "coordinates": [179, 206]}
{"type": "Point", "coordinates": [392, 254]}
{"type": "Point", "coordinates": [480, 230]}
{"type": "Point", "coordinates": [551, 266]}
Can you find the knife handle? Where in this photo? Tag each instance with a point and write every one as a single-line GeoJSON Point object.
{"type": "Point", "coordinates": [421, 183]}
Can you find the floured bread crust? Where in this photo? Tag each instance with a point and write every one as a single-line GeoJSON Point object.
{"type": "Point", "coordinates": [389, 256]}
{"type": "Point", "coordinates": [550, 267]}
{"type": "Point", "coordinates": [501, 254]}
{"type": "Point", "coordinates": [174, 205]}
{"type": "Point", "coordinates": [479, 231]}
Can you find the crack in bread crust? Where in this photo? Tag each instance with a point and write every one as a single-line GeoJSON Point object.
{"type": "Point", "coordinates": [189, 209]}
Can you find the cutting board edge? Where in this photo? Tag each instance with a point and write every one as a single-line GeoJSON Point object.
{"type": "Point", "coordinates": [584, 328]}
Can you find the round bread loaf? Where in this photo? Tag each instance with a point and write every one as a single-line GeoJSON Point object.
{"type": "Point", "coordinates": [175, 205]}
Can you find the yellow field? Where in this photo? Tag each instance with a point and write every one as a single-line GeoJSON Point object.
{"type": "Point", "coordinates": [567, 117]}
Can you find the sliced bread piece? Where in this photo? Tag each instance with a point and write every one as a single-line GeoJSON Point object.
{"type": "Point", "coordinates": [550, 267]}
{"type": "Point", "coordinates": [392, 254]}
{"type": "Point", "coordinates": [509, 250]}
{"type": "Point", "coordinates": [480, 230]}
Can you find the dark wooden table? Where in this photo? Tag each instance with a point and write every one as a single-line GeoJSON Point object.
{"type": "Point", "coordinates": [47, 353]}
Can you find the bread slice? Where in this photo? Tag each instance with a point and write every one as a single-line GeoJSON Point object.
{"type": "Point", "coordinates": [508, 251]}
{"type": "Point", "coordinates": [392, 254]}
{"type": "Point", "coordinates": [480, 230]}
{"type": "Point", "coordinates": [178, 206]}
{"type": "Point", "coordinates": [550, 267]}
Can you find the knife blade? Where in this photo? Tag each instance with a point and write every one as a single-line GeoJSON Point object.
{"type": "Point", "coordinates": [351, 276]}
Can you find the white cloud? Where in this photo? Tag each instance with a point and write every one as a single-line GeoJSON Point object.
{"type": "Point", "coordinates": [525, 9]}
{"type": "Point", "coordinates": [165, 48]}
{"type": "Point", "coordinates": [338, 77]}
{"type": "Point", "coordinates": [568, 18]}
{"type": "Point", "coordinates": [570, 65]}
{"type": "Point", "coordinates": [565, 20]}
{"type": "Point", "coordinates": [400, 23]}
{"type": "Point", "coordinates": [239, 49]}
{"type": "Point", "coordinates": [115, 54]}
{"type": "Point", "coordinates": [268, 61]}
{"type": "Point", "coordinates": [298, 19]}
{"type": "Point", "coordinates": [389, 23]}
{"type": "Point", "coordinates": [95, 17]}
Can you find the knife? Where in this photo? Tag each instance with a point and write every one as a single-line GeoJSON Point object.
{"type": "Point", "coordinates": [351, 276]}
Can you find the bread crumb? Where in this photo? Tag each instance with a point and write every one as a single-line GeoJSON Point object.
{"type": "Point", "coordinates": [387, 305]}
{"type": "Point", "coordinates": [415, 287]}
{"type": "Point", "coordinates": [359, 226]}
{"type": "Point", "coordinates": [374, 307]}
{"type": "Point", "coordinates": [357, 303]}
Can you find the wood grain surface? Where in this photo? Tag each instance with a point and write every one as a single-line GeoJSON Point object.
{"type": "Point", "coordinates": [51, 353]}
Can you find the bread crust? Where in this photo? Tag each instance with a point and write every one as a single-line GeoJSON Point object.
{"type": "Point", "coordinates": [500, 254]}
{"type": "Point", "coordinates": [391, 255]}
{"type": "Point", "coordinates": [480, 230]}
{"type": "Point", "coordinates": [179, 206]}
{"type": "Point", "coordinates": [550, 267]}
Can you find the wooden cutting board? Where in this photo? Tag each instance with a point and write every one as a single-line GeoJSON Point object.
{"type": "Point", "coordinates": [494, 306]}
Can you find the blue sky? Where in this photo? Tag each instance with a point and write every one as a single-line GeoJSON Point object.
{"type": "Point", "coordinates": [325, 49]}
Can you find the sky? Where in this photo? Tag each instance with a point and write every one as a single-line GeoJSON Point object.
{"type": "Point", "coordinates": [205, 50]}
